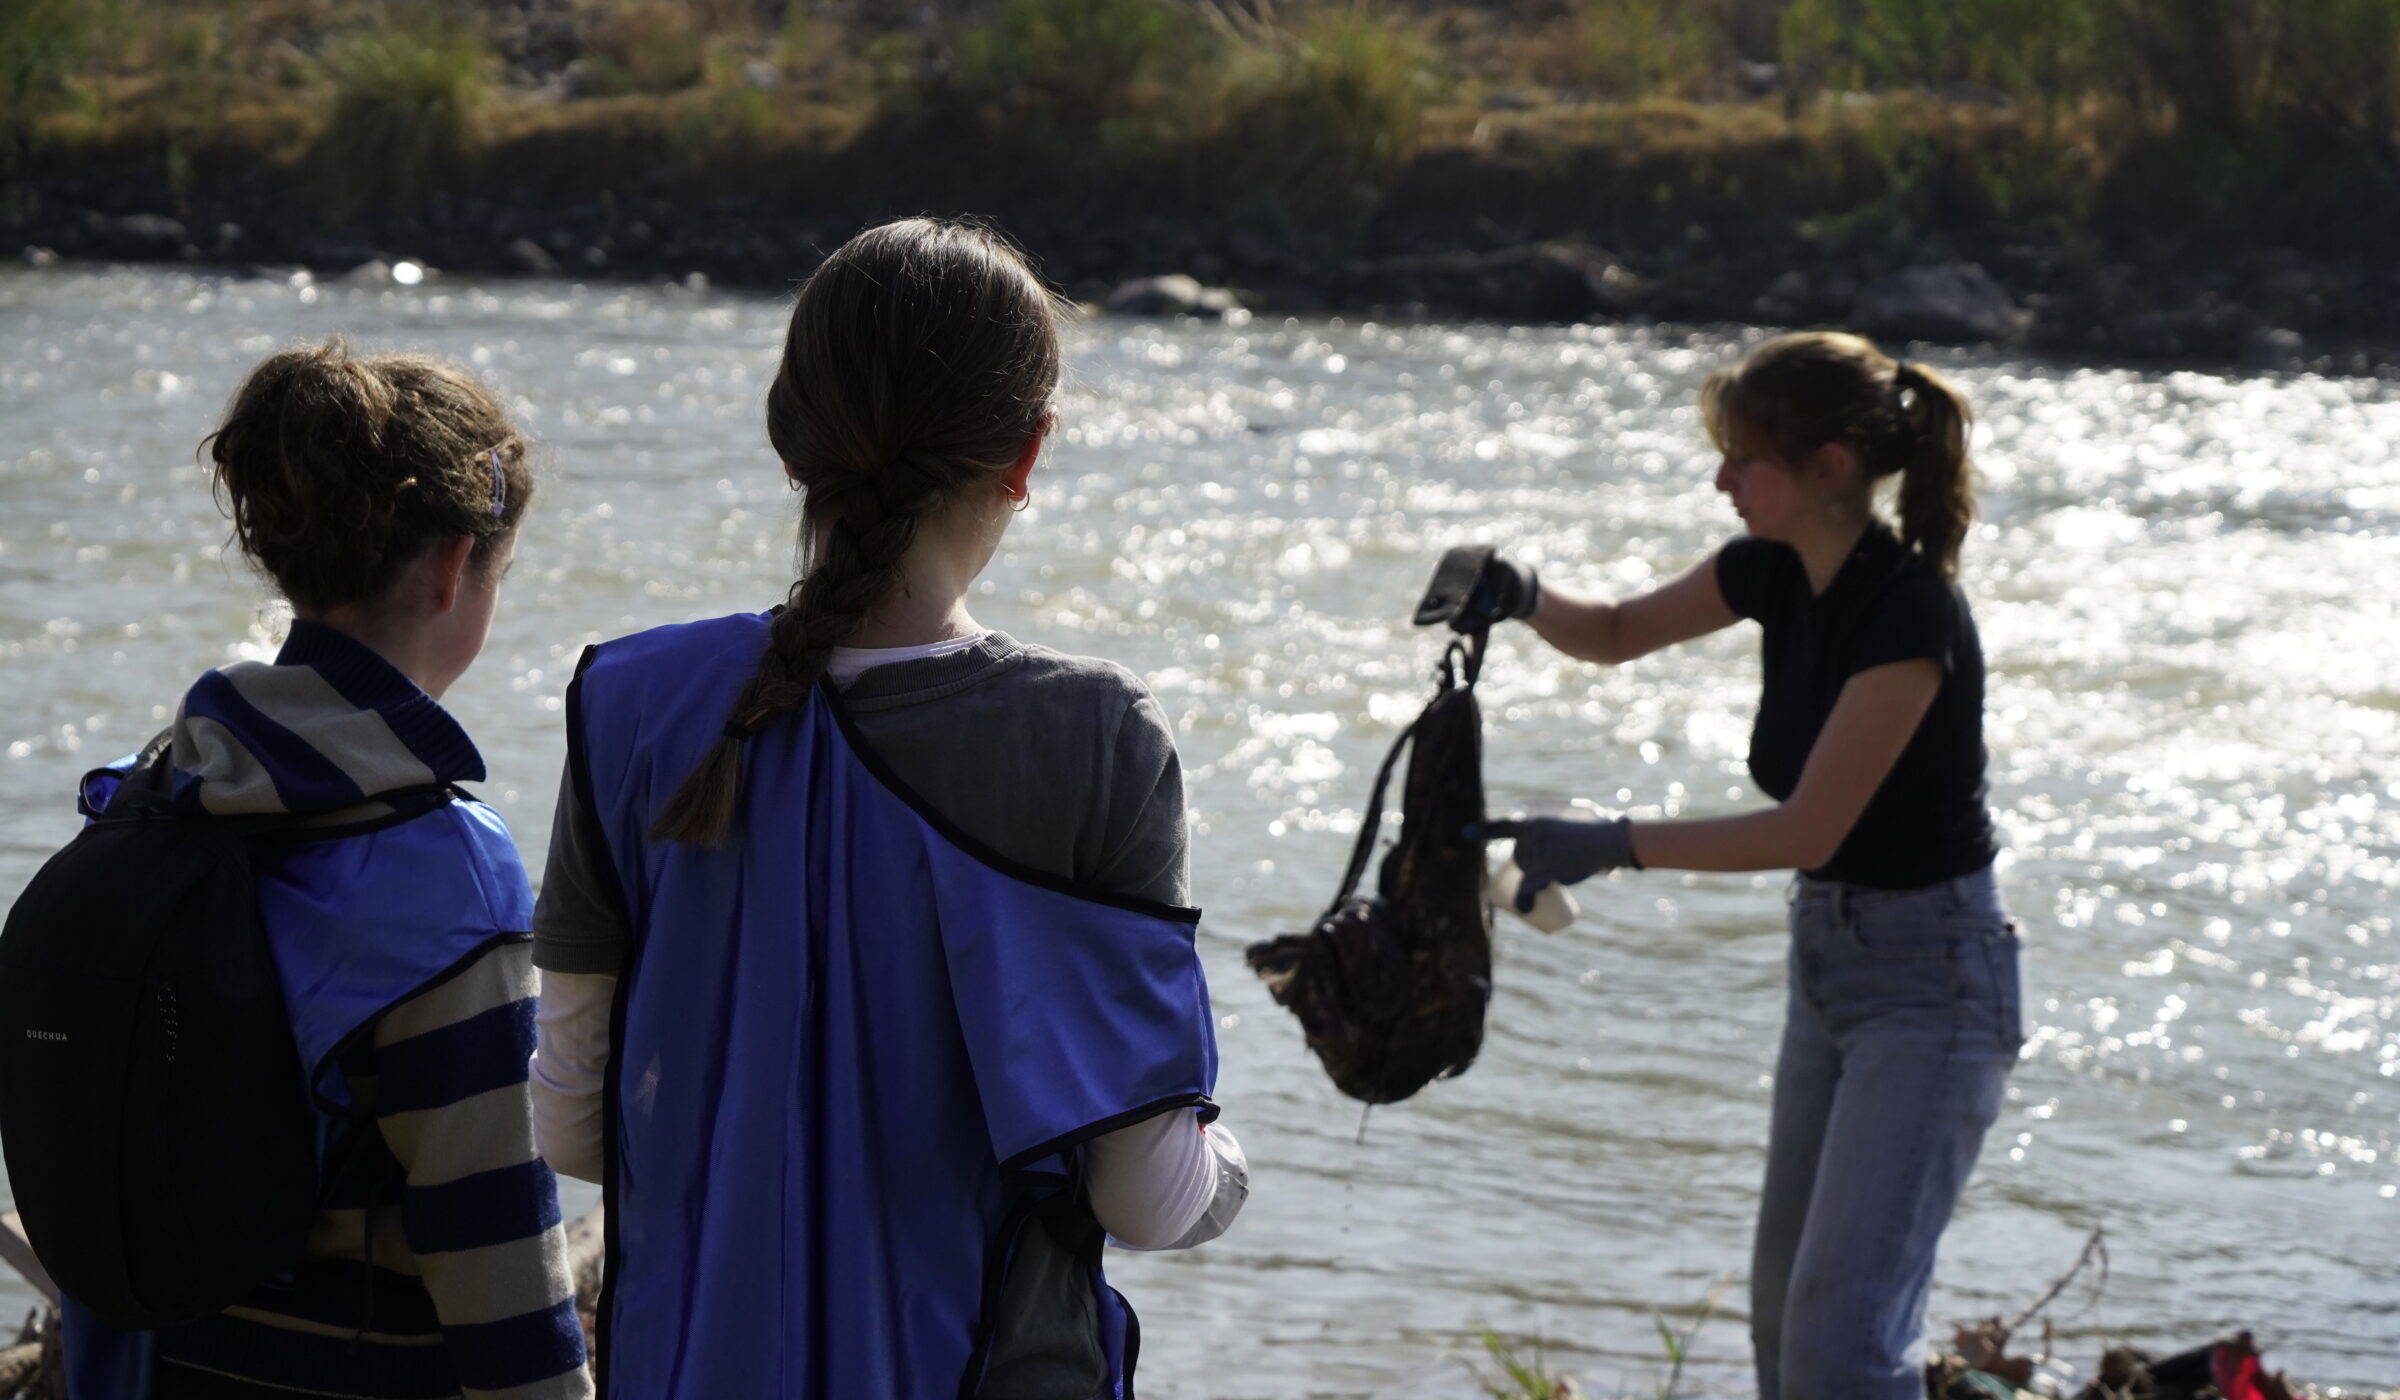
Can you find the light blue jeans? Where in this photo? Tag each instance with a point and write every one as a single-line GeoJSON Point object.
{"type": "Point", "coordinates": [1905, 1018]}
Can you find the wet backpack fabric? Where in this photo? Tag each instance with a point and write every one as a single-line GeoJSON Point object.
{"type": "Point", "coordinates": [854, 1052]}
{"type": "Point", "coordinates": [1391, 987]}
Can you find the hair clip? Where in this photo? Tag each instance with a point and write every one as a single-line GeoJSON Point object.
{"type": "Point", "coordinates": [499, 485]}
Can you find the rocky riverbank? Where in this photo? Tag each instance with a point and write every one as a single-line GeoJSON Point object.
{"type": "Point", "coordinates": [2263, 310]}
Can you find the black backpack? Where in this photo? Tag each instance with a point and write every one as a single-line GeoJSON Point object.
{"type": "Point", "coordinates": [1390, 988]}
{"type": "Point", "coordinates": [153, 1109]}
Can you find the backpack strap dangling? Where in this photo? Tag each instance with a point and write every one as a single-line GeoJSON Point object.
{"type": "Point", "coordinates": [1371, 822]}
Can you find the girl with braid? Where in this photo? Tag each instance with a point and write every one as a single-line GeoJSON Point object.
{"type": "Point", "coordinates": [1903, 1003]}
{"type": "Point", "coordinates": [870, 992]}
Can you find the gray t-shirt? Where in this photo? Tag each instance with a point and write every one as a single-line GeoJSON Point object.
{"type": "Point", "coordinates": [1060, 763]}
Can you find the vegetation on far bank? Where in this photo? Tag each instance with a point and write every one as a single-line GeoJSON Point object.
{"type": "Point", "coordinates": [1843, 123]}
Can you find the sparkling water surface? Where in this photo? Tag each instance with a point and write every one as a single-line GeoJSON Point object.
{"type": "Point", "coordinates": [2186, 585]}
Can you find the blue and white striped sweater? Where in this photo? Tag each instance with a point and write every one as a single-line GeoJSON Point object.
{"type": "Point", "coordinates": [466, 1288]}
{"type": "Point", "coordinates": [438, 1266]}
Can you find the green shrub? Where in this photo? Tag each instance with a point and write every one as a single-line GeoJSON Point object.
{"type": "Point", "coordinates": [2041, 49]}
{"type": "Point", "coordinates": [1065, 64]}
{"type": "Point", "coordinates": [796, 38]}
{"type": "Point", "coordinates": [727, 121]}
{"type": "Point", "coordinates": [1316, 119]}
{"type": "Point", "coordinates": [402, 102]}
{"type": "Point", "coordinates": [41, 41]}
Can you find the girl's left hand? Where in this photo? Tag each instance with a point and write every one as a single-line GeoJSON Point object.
{"type": "Point", "coordinates": [1561, 850]}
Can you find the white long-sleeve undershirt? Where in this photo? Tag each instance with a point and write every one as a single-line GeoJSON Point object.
{"type": "Point", "coordinates": [1167, 1182]}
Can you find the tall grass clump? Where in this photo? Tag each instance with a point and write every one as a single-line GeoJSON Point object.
{"type": "Point", "coordinates": [647, 46]}
{"type": "Point", "coordinates": [1531, 1378]}
{"type": "Point", "coordinates": [1317, 117]}
{"type": "Point", "coordinates": [403, 100]}
{"type": "Point", "coordinates": [726, 124]}
{"type": "Point", "coordinates": [1521, 1377]}
{"type": "Point", "coordinates": [196, 79]}
{"type": "Point", "coordinates": [1637, 48]}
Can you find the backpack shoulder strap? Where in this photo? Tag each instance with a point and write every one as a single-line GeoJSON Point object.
{"type": "Point", "coordinates": [1462, 665]}
{"type": "Point", "coordinates": [142, 791]}
{"type": "Point", "coordinates": [1371, 822]}
{"type": "Point", "coordinates": [386, 809]}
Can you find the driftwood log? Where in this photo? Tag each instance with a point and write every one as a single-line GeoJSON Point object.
{"type": "Point", "coordinates": [19, 1365]}
{"type": "Point", "coordinates": [34, 1367]}
{"type": "Point", "coordinates": [17, 1252]}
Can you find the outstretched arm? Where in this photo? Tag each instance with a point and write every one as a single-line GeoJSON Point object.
{"type": "Point", "coordinates": [1873, 719]}
{"type": "Point", "coordinates": [1590, 628]}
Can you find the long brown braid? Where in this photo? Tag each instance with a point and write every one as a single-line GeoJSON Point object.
{"type": "Point", "coordinates": [921, 360]}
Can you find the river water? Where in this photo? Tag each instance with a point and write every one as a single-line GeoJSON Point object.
{"type": "Point", "coordinates": [2186, 584]}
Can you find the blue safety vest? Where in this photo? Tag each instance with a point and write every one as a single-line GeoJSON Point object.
{"type": "Point", "coordinates": [855, 1049]}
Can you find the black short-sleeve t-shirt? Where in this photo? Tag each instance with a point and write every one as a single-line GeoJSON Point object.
{"type": "Point", "coordinates": [1928, 822]}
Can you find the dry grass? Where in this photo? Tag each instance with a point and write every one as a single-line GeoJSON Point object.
{"type": "Point", "coordinates": [1330, 114]}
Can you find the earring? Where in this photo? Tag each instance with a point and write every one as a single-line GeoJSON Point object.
{"type": "Point", "coordinates": [1018, 502]}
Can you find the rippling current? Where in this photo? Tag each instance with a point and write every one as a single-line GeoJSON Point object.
{"type": "Point", "coordinates": [2186, 585]}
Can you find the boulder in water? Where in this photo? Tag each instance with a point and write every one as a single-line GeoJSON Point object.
{"type": "Point", "coordinates": [147, 237]}
{"type": "Point", "coordinates": [1174, 294]}
{"type": "Point", "coordinates": [1956, 301]}
{"type": "Point", "coordinates": [2273, 348]}
{"type": "Point", "coordinates": [1560, 280]}
{"type": "Point", "coordinates": [526, 256]}
{"type": "Point", "coordinates": [1798, 298]}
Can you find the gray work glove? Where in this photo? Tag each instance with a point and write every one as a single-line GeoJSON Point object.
{"type": "Point", "coordinates": [1505, 591]}
{"type": "Point", "coordinates": [1561, 850]}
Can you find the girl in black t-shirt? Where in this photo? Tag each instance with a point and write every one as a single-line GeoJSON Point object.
{"type": "Point", "coordinates": [1903, 1016]}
